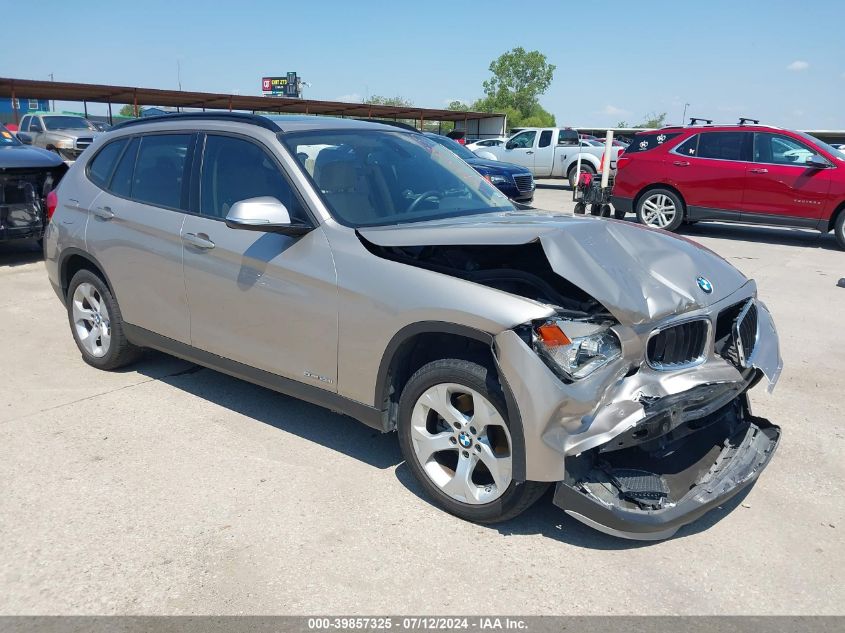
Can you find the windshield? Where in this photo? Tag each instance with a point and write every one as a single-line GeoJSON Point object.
{"type": "Point", "coordinates": [66, 123]}
{"type": "Point", "coordinates": [454, 146]}
{"type": "Point", "coordinates": [828, 148]}
{"type": "Point", "coordinates": [7, 138]}
{"type": "Point", "coordinates": [373, 177]}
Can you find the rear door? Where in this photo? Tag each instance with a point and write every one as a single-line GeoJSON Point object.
{"type": "Point", "coordinates": [544, 157]}
{"type": "Point", "coordinates": [780, 186]}
{"type": "Point", "coordinates": [709, 169]}
{"type": "Point", "coordinates": [519, 150]}
{"type": "Point", "coordinates": [262, 299]}
{"type": "Point", "coordinates": [134, 231]}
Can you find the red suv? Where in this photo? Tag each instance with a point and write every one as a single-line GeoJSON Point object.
{"type": "Point", "coordinates": [739, 173]}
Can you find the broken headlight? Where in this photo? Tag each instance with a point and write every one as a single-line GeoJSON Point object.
{"type": "Point", "coordinates": [575, 348]}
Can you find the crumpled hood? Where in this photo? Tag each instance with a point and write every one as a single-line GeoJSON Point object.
{"type": "Point", "coordinates": [640, 275]}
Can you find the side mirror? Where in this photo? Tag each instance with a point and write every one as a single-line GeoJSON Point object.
{"type": "Point", "coordinates": [817, 162]}
{"type": "Point", "coordinates": [24, 138]}
{"type": "Point", "coordinates": [263, 214]}
{"type": "Point", "coordinates": [509, 145]}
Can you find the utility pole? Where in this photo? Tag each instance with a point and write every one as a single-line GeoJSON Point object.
{"type": "Point", "coordinates": [684, 115]}
{"type": "Point", "coordinates": [53, 103]}
{"type": "Point", "coordinates": [179, 74]}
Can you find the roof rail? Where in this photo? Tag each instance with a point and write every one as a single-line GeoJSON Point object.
{"type": "Point", "coordinates": [693, 120]}
{"type": "Point", "coordinates": [743, 120]}
{"type": "Point", "coordinates": [234, 117]}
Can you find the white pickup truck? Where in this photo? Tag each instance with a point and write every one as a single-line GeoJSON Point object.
{"type": "Point", "coordinates": [550, 152]}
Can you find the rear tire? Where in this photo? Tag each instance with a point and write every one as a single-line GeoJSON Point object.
{"type": "Point", "coordinates": [586, 168]}
{"type": "Point", "coordinates": [839, 229]}
{"type": "Point", "coordinates": [455, 437]}
{"type": "Point", "coordinates": [660, 209]}
{"type": "Point", "coordinates": [580, 208]}
{"type": "Point", "coordinates": [97, 324]}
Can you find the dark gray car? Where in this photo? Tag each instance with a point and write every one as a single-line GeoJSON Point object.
{"type": "Point", "coordinates": [369, 270]}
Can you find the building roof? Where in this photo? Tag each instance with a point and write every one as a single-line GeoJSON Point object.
{"type": "Point", "coordinates": [64, 91]}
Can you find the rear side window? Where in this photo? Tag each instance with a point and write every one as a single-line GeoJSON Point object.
{"type": "Point", "coordinates": [545, 138]}
{"type": "Point", "coordinates": [121, 182]}
{"type": "Point", "coordinates": [725, 145]}
{"type": "Point", "coordinates": [567, 137]}
{"type": "Point", "coordinates": [645, 142]}
{"type": "Point", "coordinates": [689, 147]}
{"type": "Point", "coordinates": [160, 170]}
{"type": "Point", "coordinates": [102, 165]}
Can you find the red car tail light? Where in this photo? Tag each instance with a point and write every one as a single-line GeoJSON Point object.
{"type": "Point", "coordinates": [52, 203]}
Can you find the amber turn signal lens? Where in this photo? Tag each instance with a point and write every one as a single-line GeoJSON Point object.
{"type": "Point", "coordinates": [552, 335]}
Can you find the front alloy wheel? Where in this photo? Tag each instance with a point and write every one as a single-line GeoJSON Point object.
{"type": "Point", "coordinates": [457, 442]}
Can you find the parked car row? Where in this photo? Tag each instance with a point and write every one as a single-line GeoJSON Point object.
{"type": "Point", "coordinates": [737, 173]}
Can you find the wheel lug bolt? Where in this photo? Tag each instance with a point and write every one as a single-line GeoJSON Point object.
{"type": "Point", "coordinates": [457, 425]}
{"type": "Point", "coordinates": [453, 440]}
{"type": "Point", "coordinates": [466, 453]}
{"type": "Point", "coordinates": [472, 430]}
{"type": "Point", "coordinates": [478, 447]}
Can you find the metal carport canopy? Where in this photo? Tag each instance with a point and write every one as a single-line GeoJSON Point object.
{"type": "Point", "coordinates": [95, 93]}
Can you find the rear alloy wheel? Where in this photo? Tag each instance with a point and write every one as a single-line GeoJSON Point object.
{"type": "Point", "coordinates": [96, 323]}
{"type": "Point", "coordinates": [455, 438]}
{"type": "Point", "coordinates": [660, 209]}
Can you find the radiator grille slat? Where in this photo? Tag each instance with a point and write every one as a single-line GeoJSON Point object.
{"type": "Point", "coordinates": [678, 345]}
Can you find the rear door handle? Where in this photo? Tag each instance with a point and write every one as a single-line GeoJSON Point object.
{"type": "Point", "coordinates": [200, 241]}
{"type": "Point", "coordinates": [104, 213]}
{"type": "Point", "coordinates": [758, 170]}
{"type": "Point", "coordinates": [681, 163]}
{"type": "Point", "coordinates": [529, 152]}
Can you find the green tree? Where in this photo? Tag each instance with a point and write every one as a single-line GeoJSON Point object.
{"type": "Point", "coordinates": [652, 120]}
{"type": "Point", "coordinates": [389, 101]}
{"type": "Point", "coordinates": [519, 78]}
{"type": "Point", "coordinates": [458, 106]}
{"type": "Point", "coordinates": [127, 110]}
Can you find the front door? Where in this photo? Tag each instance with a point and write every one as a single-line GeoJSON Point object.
{"type": "Point", "coordinates": [520, 149]}
{"type": "Point", "coordinates": [134, 230]}
{"type": "Point", "coordinates": [780, 186]}
{"type": "Point", "coordinates": [262, 299]}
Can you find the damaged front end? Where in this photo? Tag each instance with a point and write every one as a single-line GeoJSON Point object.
{"type": "Point", "coordinates": [660, 430]}
{"type": "Point", "coordinates": [22, 201]}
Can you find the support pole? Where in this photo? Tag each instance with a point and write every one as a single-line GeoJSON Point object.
{"type": "Point", "coordinates": [605, 163]}
{"type": "Point", "coordinates": [14, 104]}
{"type": "Point", "coordinates": [110, 119]}
{"type": "Point", "coordinates": [135, 102]}
{"type": "Point", "coordinates": [85, 107]}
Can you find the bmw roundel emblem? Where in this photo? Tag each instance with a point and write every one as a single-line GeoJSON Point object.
{"type": "Point", "coordinates": [465, 440]}
{"type": "Point", "coordinates": [705, 284]}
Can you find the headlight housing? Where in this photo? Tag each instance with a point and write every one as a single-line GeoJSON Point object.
{"type": "Point", "coordinates": [498, 180]}
{"type": "Point", "coordinates": [576, 349]}
{"type": "Point", "coordinates": [64, 144]}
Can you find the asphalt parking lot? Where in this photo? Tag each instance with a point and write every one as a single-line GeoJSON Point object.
{"type": "Point", "coordinates": [171, 489]}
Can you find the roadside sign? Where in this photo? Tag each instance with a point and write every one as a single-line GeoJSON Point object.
{"type": "Point", "coordinates": [287, 86]}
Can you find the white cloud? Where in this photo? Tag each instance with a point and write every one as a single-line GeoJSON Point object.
{"type": "Point", "coordinates": [350, 98]}
{"type": "Point", "coordinates": [797, 66]}
{"type": "Point", "coordinates": [612, 110]}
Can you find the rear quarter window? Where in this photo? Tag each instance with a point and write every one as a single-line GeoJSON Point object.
{"type": "Point", "coordinates": [646, 142]}
{"type": "Point", "coordinates": [102, 165]}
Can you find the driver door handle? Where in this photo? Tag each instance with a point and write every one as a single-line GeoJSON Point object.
{"type": "Point", "coordinates": [529, 152]}
{"type": "Point", "coordinates": [758, 170]}
{"type": "Point", "coordinates": [104, 213]}
{"type": "Point", "coordinates": [200, 241]}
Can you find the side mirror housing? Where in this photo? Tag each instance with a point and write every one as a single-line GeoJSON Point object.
{"type": "Point", "coordinates": [24, 138]}
{"type": "Point", "coordinates": [509, 145]}
{"type": "Point", "coordinates": [264, 214]}
{"type": "Point", "coordinates": [817, 162]}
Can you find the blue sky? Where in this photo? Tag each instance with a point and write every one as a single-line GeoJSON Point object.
{"type": "Point", "coordinates": [780, 61]}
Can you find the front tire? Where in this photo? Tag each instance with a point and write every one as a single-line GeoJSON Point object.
{"type": "Point", "coordinates": [660, 209]}
{"type": "Point", "coordinates": [456, 439]}
{"type": "Point", "coordinates": [97, 324]}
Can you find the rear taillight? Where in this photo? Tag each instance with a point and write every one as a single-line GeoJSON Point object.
{"type": "Point", "coordinates": [52, 203]}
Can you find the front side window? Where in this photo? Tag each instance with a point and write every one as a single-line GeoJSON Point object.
{"type": "Point", "coordinates": [371, 178]}
{"type": "Point", "coordinates": [160, 169]}
{"type": "Point", "coordinates": [102, 165]}
{"type": "Point", "coordinates": [25, 123]}
{"type": "Point", "coordinates": [234, 169]}
{"type": "Point", "coordinates": [724, 145]}
{"type": "Point", "coordinates": [35, 125]}
{"type": "Point", "coordinates": [778, 149]}
{"type": "Point", "coordinates": [523, 140]}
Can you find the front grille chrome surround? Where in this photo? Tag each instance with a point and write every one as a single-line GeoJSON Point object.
{"type": "Point", "coordinates": [679, 345]}
{"type": "Point", "coordinates": [745, 333]}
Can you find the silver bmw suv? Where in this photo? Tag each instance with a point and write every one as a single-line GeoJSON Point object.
{"type": "Point", "coordinates": [369, 270]}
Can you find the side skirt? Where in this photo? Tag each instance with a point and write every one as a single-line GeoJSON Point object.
{"type": "Point", "coordinates": [721, 215]}
{"type": "Point", "coordinates": [369, 415]}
